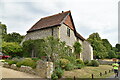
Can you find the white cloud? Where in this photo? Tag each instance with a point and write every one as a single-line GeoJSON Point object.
{"type": "Point", "coordinates": [89, 15]}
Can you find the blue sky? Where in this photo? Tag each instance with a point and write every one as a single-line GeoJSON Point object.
{"type": "Point", "coordinates": [89, 16]}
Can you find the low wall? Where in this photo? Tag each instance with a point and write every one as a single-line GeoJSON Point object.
{"type": "Point", "coordinates": [105, 62]}
{"type": "Point", "coordinates": [43, 69]}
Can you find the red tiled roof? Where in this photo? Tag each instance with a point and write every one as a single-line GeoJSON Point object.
{"type": "Point", "coordinates": [79, 36]}
{"type": "Point", "coordinates": [55, 20]}
{"type": "Point", "coordinates": [49, 21]}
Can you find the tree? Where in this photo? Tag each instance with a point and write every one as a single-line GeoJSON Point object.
{"type": "Point", "coordinates": [13, 37]}
{"type": "Point", "coordinates": [33, 48]}
{"type": "Point", "coordinates": [118, 47]}
{"type": "Point", "coordinates": [111, 54]}
{"type": "Point", "coordinates": [77, 49]}
{"type": "Point", "coordinates": [11, 48]}
{"type": "Point", "coordinates": [107, 44]}
{"type": "Point", "coordinates": [99, 50]}
{"type": "Point", "coordinates": [50, 47]}
{"type": "Point", "coordinates": [3, 27]}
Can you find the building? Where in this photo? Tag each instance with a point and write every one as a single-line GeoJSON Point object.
{"type": "Point", "coordinates": [60, 26]}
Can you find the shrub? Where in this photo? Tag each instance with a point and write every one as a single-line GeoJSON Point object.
{"type": "Point", "coordinates": [79, 66]}
{"type": "Point", "coordinates": [27, 62]}
{"type": "Point", "coordinates": [59, 72]}
{"type": "Point", "coordinates": [79, 61]}
{"type": "Point", "coordinates": [18, 64]}
{"type": "Point", "coordinates": [35, 59]}
{"type": "Point", "coordinates": [63, 63]}
{"type": "Point", "coordinates": [54, 76]}
{"type": "Point", "coordinates": [93, 63]}
{"type": "Point", "coordinates": [86, 62]}
{"type": "Point", "coordinates": [10, 62]}
{"type": "Point", "coordinates": [69, 67]}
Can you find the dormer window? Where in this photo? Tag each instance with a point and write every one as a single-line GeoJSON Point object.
{"type": "Point", "coordinates": [68, 32]}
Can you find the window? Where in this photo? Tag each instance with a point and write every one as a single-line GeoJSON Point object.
{"type": "Point", "coordinates": [68, 32]}
{"type": "Point", "coordinates": [52, 31]}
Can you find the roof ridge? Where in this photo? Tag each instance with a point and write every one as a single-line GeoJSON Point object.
{"type": "Point", "coordinates": [56, 14]}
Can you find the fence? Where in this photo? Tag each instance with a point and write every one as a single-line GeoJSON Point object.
{"type": "Point", "coordinates": [99, 74]}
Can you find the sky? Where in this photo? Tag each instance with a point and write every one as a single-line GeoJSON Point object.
{"type": "Point", "coordinates": [89, 16]}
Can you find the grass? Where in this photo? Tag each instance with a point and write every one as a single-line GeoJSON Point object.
{"type": "Point", "coordinates": [86, 72]}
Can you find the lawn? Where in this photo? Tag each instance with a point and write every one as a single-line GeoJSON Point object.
{"type": "Point", "coordinates": [86, 72]}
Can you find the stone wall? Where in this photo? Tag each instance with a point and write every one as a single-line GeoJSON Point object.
{"type": "Point", "coordinates": [40, 34]}
{"type": "Point", "coordinates": [64, 37]}
{"type": "Point", "coordinates": [43, 69]}
{"type": "Point", "coordinates": [87, 52]}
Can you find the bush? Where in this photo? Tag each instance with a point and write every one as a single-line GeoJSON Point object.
{"type": "Point", "coordinates": [58, 73]}
{"type": "Point", "coordinates": [79, 66]}
{"type": "Point", "coordinates": [86, 62]}
{"type": "Point", "coordinates": [35, 59]}
{"type": "Point", "coordinates": [10, 62]}
{"type": "Point", "coordinates": [93, 63]}
{"type": "Point", "coordinates": [79, 61]}
{"type": "Point", "coordinates": [63, 63]}
{"type": "Point", "coordinates": [27, 62]}
{"type": "Point", "coordinates": [54, 76]}
{"type": "Point", "coordinates": [69, 67]}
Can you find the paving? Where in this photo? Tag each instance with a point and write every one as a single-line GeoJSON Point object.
{"type": "Point", "coordinates": [10, 73]}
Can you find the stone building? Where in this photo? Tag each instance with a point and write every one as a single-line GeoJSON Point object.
{"type": "Point", "coordinates": [60, 26]}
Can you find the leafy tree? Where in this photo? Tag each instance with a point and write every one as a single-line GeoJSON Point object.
{"type": "Point", "coordinates": [33, 48]}
{"type": "Point", "coordinates": [55, 49]}
{"type": "Point", "coordinates": [118, 47]}
{"type": "Point", "coordinates": [50, 47]}
{"type": "Point", "coordinates": [107, 44]}
{"type": "Point", "coordinates": [77, 49]}
{"type": "Point", "coordinates": [99, 50]}
{"type": "Point", "coordinates": [111, 54]}
{"type": "Point", "coordinates": [11, 48]}
{"type": "Point", "coordinates": [3, 27]}
{"type": "Point", "coordinates": [13, 37]}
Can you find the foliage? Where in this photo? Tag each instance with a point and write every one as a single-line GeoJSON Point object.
{"type": "Point", "coordinates": [27, 62]}
{"type": "Point", "coordinates": [93, 63]}
{"type": "Point", "coordinates": [35, 59]}
{"type": "Point", "coordinates": [13, 37]}
{"type": "Point", "coordinates": [107, 44]}
{"type": "Point", "coordinates": [99, 50]}
{"type": "Point", "coordinates": [79, 61]}
{"type": "Point", "coordinates": [54, 76]}
{"type": "Point", "coordinates": [33, 48]}
{"type": "Point", "coordinates": [77, 48]}
{"type": "Point", "coordinates": [10, 62]}
{"type": "Point", "coordinates": [50, 47]}
{"type": "Point", "coordinates": [63, 63]}
{"type": "Point", "coordinates": [79, 66]}
{"type": "Point", "coordinates": [69, 67]}
{"type": "Point", "coordinates": [118, 47]}
{"type": "Point", "coordinates": [3, 29]}
{"type": "Point", "coordinates": [86, 62]}
{"type": "Point", "coordinates": [12, 49]}
{"type": "Point", "coordinates": [58, 73]}
{"type": "Point", "coordinates": [111, 54]}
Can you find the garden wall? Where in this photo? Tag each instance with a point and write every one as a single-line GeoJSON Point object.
{"type": "Point", "coordinates": [43, 69]}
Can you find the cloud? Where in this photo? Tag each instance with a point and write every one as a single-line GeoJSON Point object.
{"type": "Point", "coordinates": [88, 15]}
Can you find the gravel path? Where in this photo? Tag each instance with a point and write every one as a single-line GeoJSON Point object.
{"type": "Point", "coordinates": [9, 73]}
